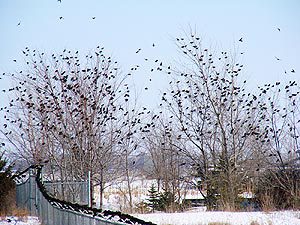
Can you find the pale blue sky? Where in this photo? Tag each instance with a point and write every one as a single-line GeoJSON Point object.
{"type": "Point", "coordinates": [124, 26]}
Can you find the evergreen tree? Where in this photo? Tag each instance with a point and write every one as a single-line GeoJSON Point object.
{"type": "Point", "coordinates": [166, 201]}
{"type": "Point", "coordinates": [154, 198]}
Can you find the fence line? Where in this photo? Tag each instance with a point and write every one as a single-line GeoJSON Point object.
{"type": "Point", "coordinates": [74, 191]}
{"type": "Point", "coordinates": [32, 194]}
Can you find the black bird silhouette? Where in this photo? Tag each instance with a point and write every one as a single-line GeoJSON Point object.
{"type": "Point", "coordinates": [277, 58]}
{"type": "Point", "coordinates": [59, 1]}
{"type": "Point", "coordinates": [138, 50]}
{"type": "Point", "coordinates": [278, 28]}
{"type": "Point", "coordinates": [93, 17]}
{"type": "Point", "coordinates": [293, 71]}
{"type": "Point", "coordinates": [60, 17]}
{"type": "Point", "coordinates": [153, 45]}
{"type": "Point", "coordinates": [19, 24]}
{"type": "Point", "coordinates": [241, 40]}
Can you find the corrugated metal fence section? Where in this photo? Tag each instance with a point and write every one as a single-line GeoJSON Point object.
{"type": "Point", "coordinates": [75, 191]}
{"type": "Point", "coordinates": [55, 212]}
{"type": "Point", "coordinates": [29, 196]}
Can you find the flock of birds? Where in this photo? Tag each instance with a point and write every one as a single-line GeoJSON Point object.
{"type": "Point", "coordinates": [78, 101]}
{"type": "Point", "coordinates": [69, 92]}
{"type": "Point", "coordinates": [68, 88]}
{"type": "Point", "coordinates": [196, 119]}
{"type": "Point", "coordinates": [240, 40]}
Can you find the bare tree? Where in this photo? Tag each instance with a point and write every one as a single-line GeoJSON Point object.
{"type": "Point", "coordinates": [167, 161]}
{"type": "Point", "coordinates": [129, 147]}
{"type": "Point", "coordinates": [215, 118]}
{"type": "Point", "coordinates": [280, 118]}
{"type": "Point", "coordinates": [69, 110]}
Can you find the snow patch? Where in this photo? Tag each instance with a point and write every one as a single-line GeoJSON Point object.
{"type": "Point", "coordinates": [232, 218]}
{"type": "Point", "coordinates": [29, 220]}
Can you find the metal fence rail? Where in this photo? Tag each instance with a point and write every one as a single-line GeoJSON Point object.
{"type": "Point", "coordinates": [51, 211]}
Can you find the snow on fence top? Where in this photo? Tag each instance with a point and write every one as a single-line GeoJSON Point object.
{"type": "Point", "coordinates": [106, 215]}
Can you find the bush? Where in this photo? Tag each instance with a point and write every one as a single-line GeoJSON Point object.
{"type": "Point", "coordinates": [167, 202]}
{"type": "Point", "coordinates": [163, 201]}
{"type": "Point", "coordinates": [279, 190]}
{"type": "Point", "coordinates": [7, 187]}
{"type": "Point", "coordinates": [142, 207]}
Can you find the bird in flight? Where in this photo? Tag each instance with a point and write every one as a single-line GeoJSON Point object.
{"type": "Point", "coordinates": [153, 45]}
{"type": "Point", "coordinates": [278, 28]}
{"type": "Point", "coordinates": [138, 50]}
{"type": "Point", "coordinates": [241, 40]}
{"type": "Point", "coordinates": [293, 71]}
{"type": "Point", "coordinates": [60, 17]}
{"type": "Point", "coordinates": [93, 17]}
{"type": "Point", "coordinates": [59, 1]}
{"type": "Point", "coordinates": [277, 58]}
{"type": "Point", "coordinates": [19, 23]}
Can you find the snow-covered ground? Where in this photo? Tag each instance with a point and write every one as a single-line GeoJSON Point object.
{"type": "Point", "coordinates": [220, 218]}
{"type": "Point", "coordinates": [13, 220]}
{"type": "Point", "coordinates": [196, 217]}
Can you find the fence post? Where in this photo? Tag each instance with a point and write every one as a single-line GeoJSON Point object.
{"type": "Point", "coordinates": [89, 190]}
{"type": "Point", "coordinates": [31, 193]}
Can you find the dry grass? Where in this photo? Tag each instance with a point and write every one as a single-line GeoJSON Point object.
{"type": "Point", "coordinates": [257, 223]}
{"type": "Point", "coordinates": [8, 200]}
{"type": "Point", "coordinates": [254, 223]}
{"type": "Point", "coordinates": [22, 214]}
{"type": "Point", "coordinates": [267, 203]}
